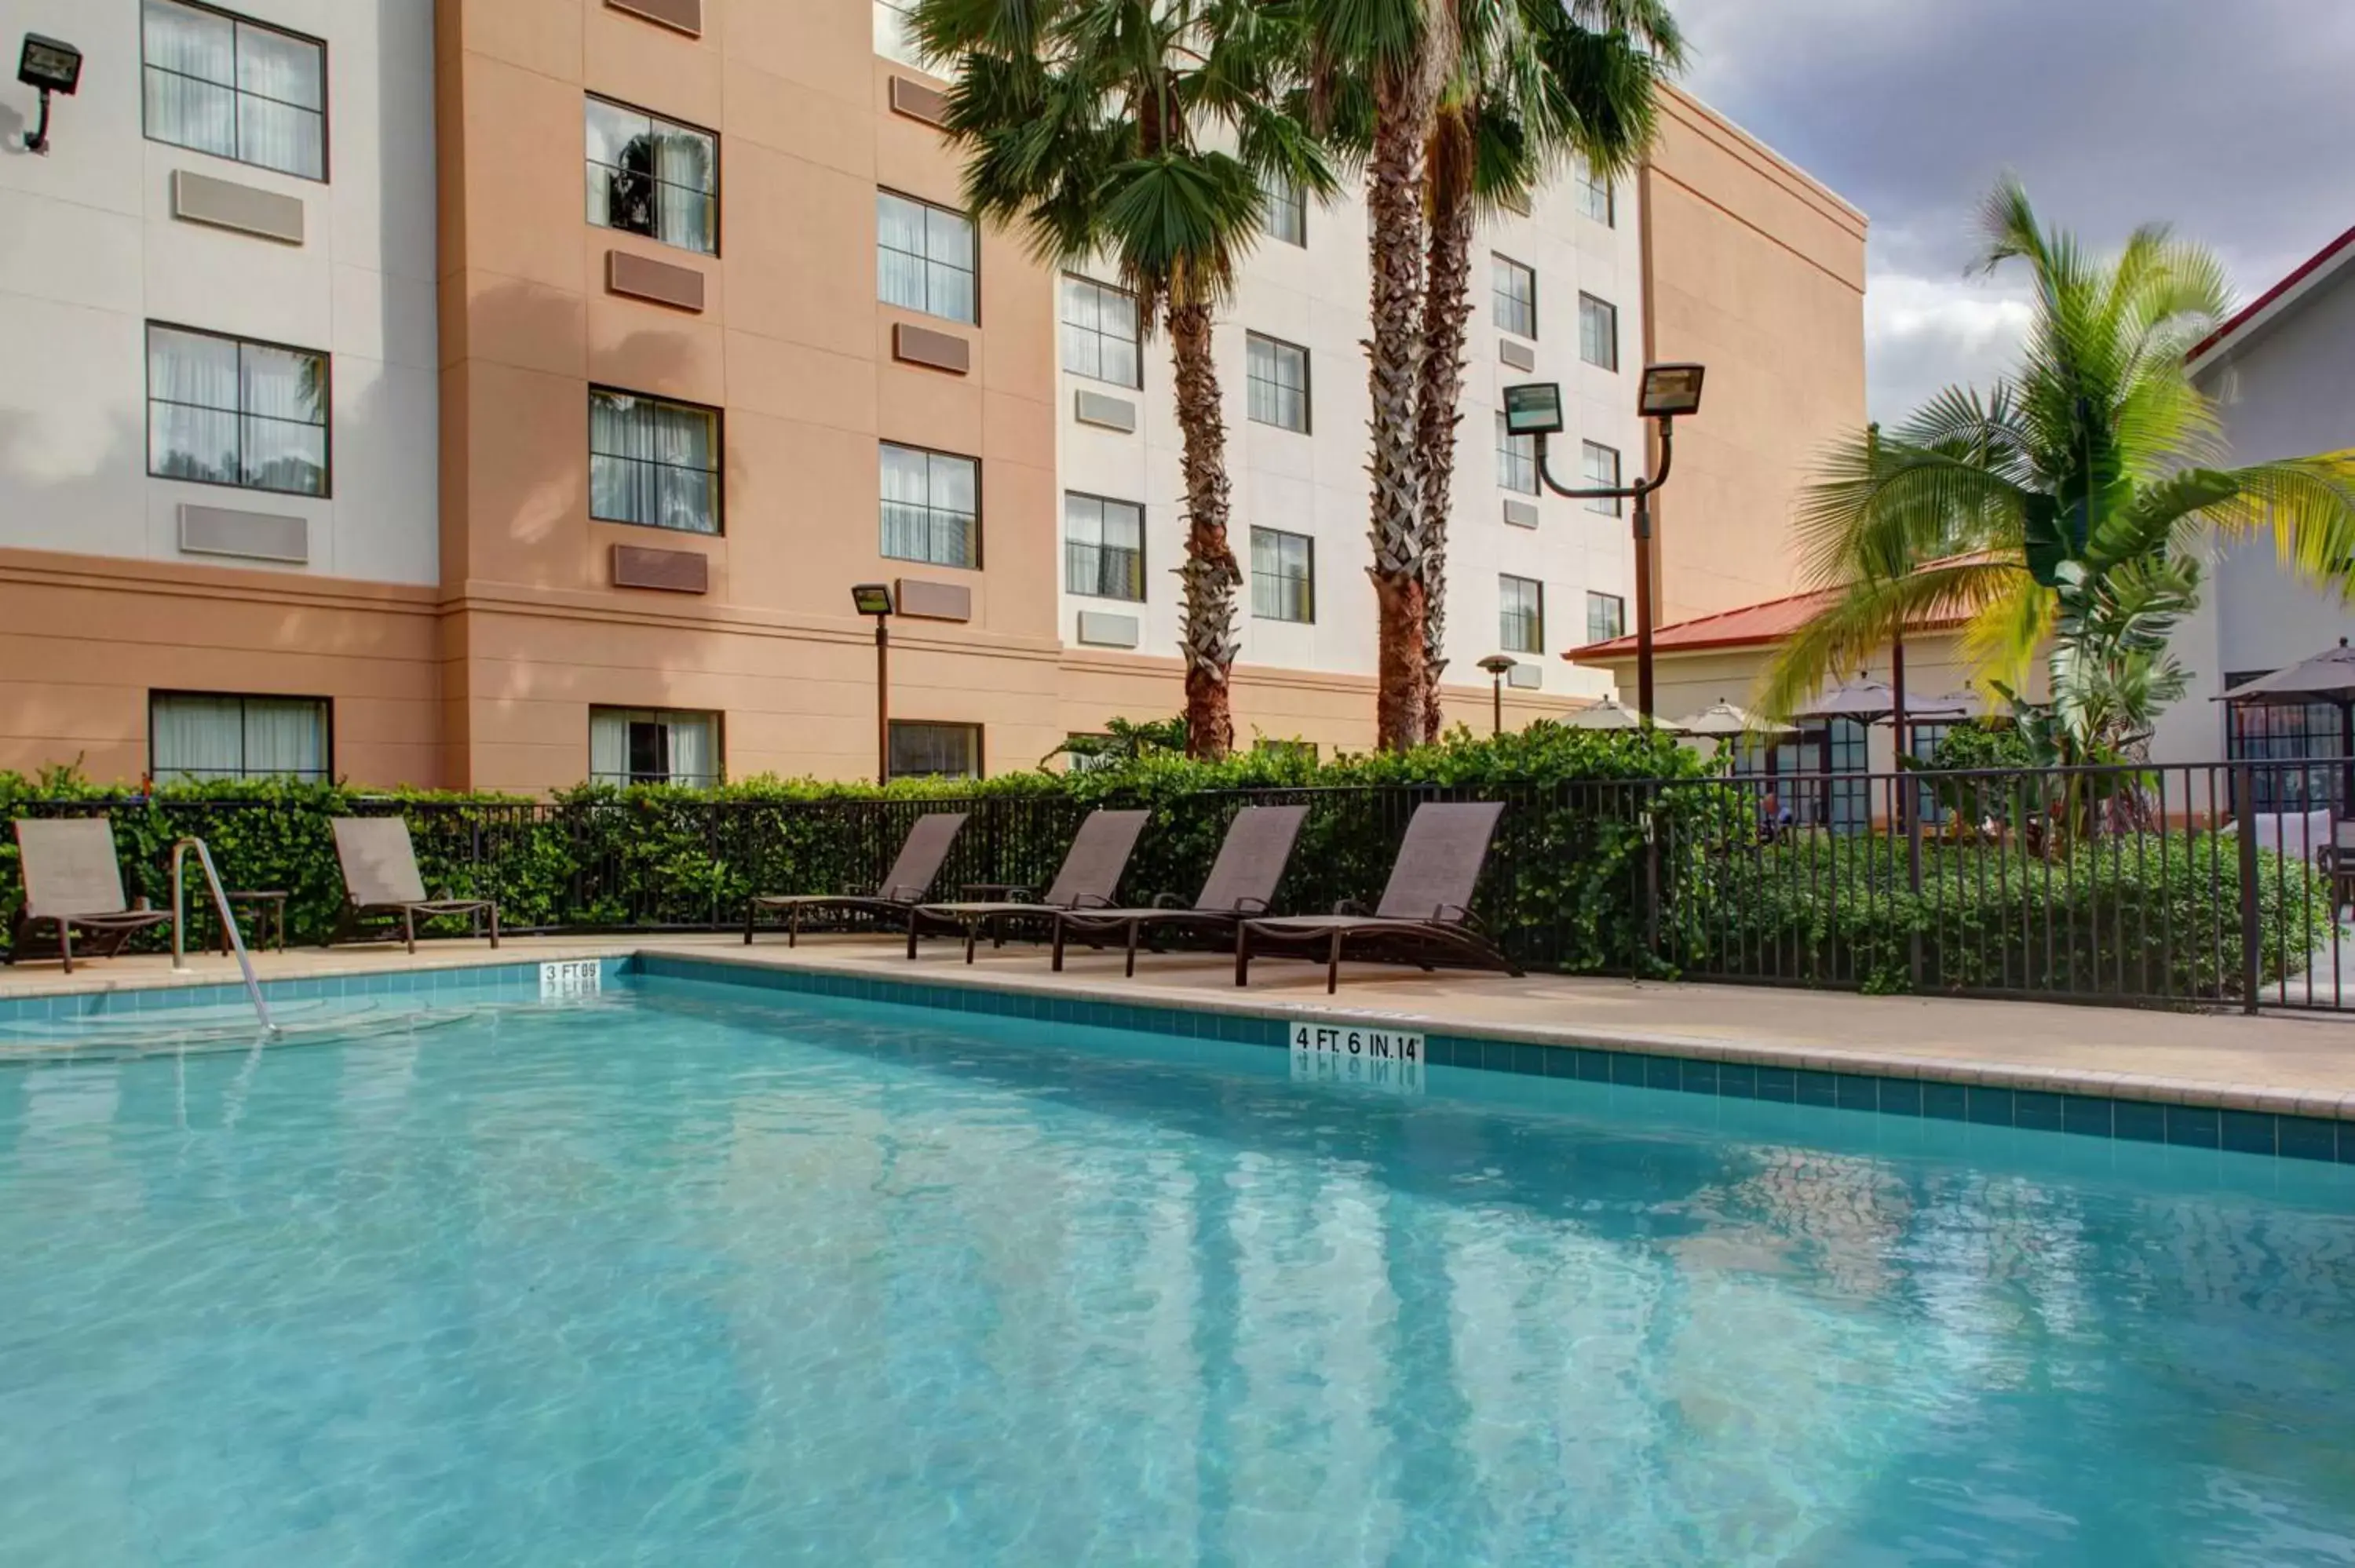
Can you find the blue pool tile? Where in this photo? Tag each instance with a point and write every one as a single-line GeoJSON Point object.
{"type": "Point", "coordinates": [2195, 1126]}
{"type": "Point", "coordinates": [1529, 1061]}
{"type": "Point", "coordinates": [1901, 1096]}
{"type": "Point", "coordinates": [2041, 1111]}
{"type": "Point", "coordinates": [2086, 1113]}
{"type": "Point", "coordinates": [2249, 1132]}
{"type": "Point", "coordinates": [1737, 1080]}
{"type": "Point", "coordinates": [1858, 1092]}
{"type": "Point", "coordinates": [1564, 1062]}
{"type": "Point", "coordinates": [1595, 1066]}
{"type": "Point", "coordinates": [1991, 1106]}
{"type": "Point", "coordinates": [2139, 1121]}
{"type": "Point", "coordinates": [1696, 1077]}
{"type": "Point", "coordinates": [1818, 1088]}
{"type": "Point", "coordinates": [1661, 1073]}
{"type": "Point", "coordinates": [2307, 1137]}
{"type": "Point", "coordinates": [1626, 1067]}
{"type": "Point", "coordinates": [1945, 1102]}
{"type": "Point", "coordinates": [1778, 1084]}
{"type": "Point", "coordinates": [1438, 1051]}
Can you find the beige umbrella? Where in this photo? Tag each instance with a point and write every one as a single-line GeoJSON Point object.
{"type": "Point", "coordinates": [2328, 676]}
{"type": "Point", "coordinates": [1608, 713]}
{"type": "Point", "coordinates": [1724, 720]}
{"type": "Point", "coordinates": [1871, 702]}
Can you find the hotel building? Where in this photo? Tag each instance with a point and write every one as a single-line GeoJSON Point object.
{"type": "Point", "coordinates": [505, 393]}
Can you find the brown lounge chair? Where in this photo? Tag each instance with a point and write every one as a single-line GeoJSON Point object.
{"type": "Point", "coordinates": [1090, 873]}
{"type": "Point", "coordinates": [1242, 879]}
{"type": "Point", "coordinates": [1425, 911]}
{"type": "Point", "coordinates": [902, 889]}
{"type": "Point", "coordinates": [380, 880]}
{"type": "Point", "coordinates": [73, 882]}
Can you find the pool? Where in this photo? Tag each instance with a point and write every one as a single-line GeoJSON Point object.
{"type": "Point", "coordinates": [695, 1274]}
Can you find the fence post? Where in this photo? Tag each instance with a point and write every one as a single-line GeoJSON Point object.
{"type": "Point", "coordinates": [2244, 819]}
{"type": "Point", "coordinates": [1651, 875]}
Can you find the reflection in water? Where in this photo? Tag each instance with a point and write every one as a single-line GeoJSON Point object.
{"type": "Point", "coordinates": [699, 1282]}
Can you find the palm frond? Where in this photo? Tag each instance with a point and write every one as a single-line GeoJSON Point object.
{"type": "Point", "coordinates": [1862, 617]}
{"type": "Point", "coordinates": [2308, 506]}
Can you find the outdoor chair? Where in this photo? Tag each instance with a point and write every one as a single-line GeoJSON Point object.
{"type": "Point", "coordinates": [902, 889]}
{"type": "Point", "coordinates": [1425, 911]}
{"type": "Point", "coordinates": [1251, 860]}
{"type": "Point", "coordinates": [73, 882]}
{"type": "Point", "coordinates": [1090, 873]}
{"type": "Point", "coordinates": [380, 881]}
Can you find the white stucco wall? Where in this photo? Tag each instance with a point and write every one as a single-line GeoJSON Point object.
{"type": "Point", "coordinates": [90, 253]}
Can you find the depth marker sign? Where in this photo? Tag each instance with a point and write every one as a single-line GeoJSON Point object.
{"type": "Point", "coordinates": [1360, 1054]}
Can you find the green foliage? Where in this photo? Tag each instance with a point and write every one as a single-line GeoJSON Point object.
{"type": "Point", "coordinates": [1124, 740]}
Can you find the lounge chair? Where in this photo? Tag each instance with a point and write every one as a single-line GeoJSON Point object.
{"type": "Point", "coordinates": [902, 889]}
{"type": "Point", "coordinates": [1242, 879]}
{"type": "Point", "coordinates": [73, 882]}
{"type": "Point", "coordinates": [1425, 912]}
{"type": "Point", "coordinates": [380, 881]}
{"type": "Point", "coordinates": [1090, 873]}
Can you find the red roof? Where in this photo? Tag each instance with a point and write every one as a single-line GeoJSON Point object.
{"type": "Point", "coordinates": [1753, 625]}
{"type": "Point", "coordinates": [2249, 313]}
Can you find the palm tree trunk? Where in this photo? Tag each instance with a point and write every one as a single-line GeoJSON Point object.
{"type": "Point", "coordinates": [1209, 577]}
{"type": "Point", "coordinates": [1395, 362]}
{"type": "Point", "coordinates": [1446, 319]}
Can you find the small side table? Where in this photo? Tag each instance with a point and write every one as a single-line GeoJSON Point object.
{"type": "Point", "coordinates": [271, 902]}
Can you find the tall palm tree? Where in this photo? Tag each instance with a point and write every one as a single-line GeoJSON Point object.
{"type": "Point", "coordinates": [1086, 126]}
{"type": "Point", "coordinates": [2065, 509]}
{"type": "Point", "coordinates": [1537, 83]}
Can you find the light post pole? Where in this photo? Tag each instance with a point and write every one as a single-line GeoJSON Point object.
{"type": "Point", "coordinates": [875, 600]}
{"type": "Point", "coordinates": [1498, 666]}
{"type": "Point", "coordinates": [1534, 408]}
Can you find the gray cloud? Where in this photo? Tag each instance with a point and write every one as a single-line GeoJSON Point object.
{"type": "Point", "coordinates": [2234, 123]}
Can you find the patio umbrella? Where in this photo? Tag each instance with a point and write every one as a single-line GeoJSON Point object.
{"type": "Point", "coordinates": [1871, 702]}
{"type": "Point", "coordinates": [1608, 714]}
{"type": "Point", "coordinates": [1722, 721]}
{"type": "Point", "coordinates": [2328, 676]}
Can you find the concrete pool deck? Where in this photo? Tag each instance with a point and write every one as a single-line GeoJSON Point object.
{"type": "Point", "coordinates": [2286, 1064]}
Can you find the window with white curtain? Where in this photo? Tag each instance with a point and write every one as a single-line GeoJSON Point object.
{"type": "Point", "coordinates": [652, 462]}
{"type": "Point", "coordinates": [1284, 575]}
{"type": "Point", "coordinates": [221, 84]}
{"type": "Point", "coordinates": [931, 506]}
{"type": "Point", "coordinates": [652, 745]}
{"type": "Point", "coordinates": [920, 750]}
{"type": "Point", "coordinates": [1520, 614]}
{"type": "Point", "coordinates": [203, 735]}
{"type": "Point", "coordinates": [1595, 197]}
{"type": "Point", "coordinates": [1284, 213]}
{"type": "Point", "coordinates": [650, 176]}
{"type": "Point", "coordinates": [1598, 332]}
{"type": "Point", "coordinates": [1100, 336]}
{"type": "Point", "coordinates": [924, 257]}
{"type": "Point", "coordinates": [1599, 465]}
{"type": "Point", "coordinates": [1277, 379]}
{"type": "Point", "coordinates": [1607, 617]}
{"type": "Point", "coordinates": [1103, 546]}
{"type": "Point", "coordinates": [1517, 460]}
{"type": "Point", "coordinates": [223, 410]}
{"type": "Point", "coordinates": [1515, 288]}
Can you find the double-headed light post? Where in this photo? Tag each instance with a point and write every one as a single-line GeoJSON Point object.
{"type": "Point", "coordinates": [1671, 392]}
{"type": "Point", "coordinates": [875, 600]}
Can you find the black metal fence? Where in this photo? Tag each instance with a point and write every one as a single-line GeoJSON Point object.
{"type": "Point", "coordinates": [2157, 884]}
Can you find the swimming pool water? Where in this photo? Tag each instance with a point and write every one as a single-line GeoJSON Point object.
{"type": "Point", "coordinates": [683, 1279]}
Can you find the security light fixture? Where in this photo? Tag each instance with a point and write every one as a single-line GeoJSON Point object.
{"type": "Point", "coordinates": [1670, 391]}
{"type": "Point", "coordinates": [875, 600]}
{"type": "Point", "coordinates": [48, 66]}
{"type": "Point", "coordinates": [872, 599]}
{"type": "Point", "coordinates": [1533, 409]}
{"type": "Point", "coordinates": [1498, 666]}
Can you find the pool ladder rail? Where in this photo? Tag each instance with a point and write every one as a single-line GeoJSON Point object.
{"type": "Point", "coordinates": [229, 925]}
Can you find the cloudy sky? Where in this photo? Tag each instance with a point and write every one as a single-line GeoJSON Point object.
{"type": "Point", "coordinates": [2234, 122]}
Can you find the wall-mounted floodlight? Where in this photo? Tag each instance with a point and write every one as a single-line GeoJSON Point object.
{"type": "Point", "coordinates": [47, 65]}
{"type": "Point", "coordinates": [872, 599]}
{"type": "Point", "coordinates": [1533, 409]}
{"type": "Point", "coordinates": [1670, 391]}
{"type": "Point", "coordinates": [875, 600]}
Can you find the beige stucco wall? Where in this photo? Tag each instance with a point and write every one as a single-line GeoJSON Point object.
{"type": "Point", "coordinates": [1757, 271]}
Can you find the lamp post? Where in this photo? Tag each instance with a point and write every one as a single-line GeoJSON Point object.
{"type": "Point", "coordinates": [46, 64]}
{"type": "Point", "coordinates": [875, 600]}
{"type": "Point", "coordinates": [1669, 391]}
{"type": "Point", "coordinates": [1498, 666]}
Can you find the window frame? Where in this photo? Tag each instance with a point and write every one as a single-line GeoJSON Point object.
{"type": "Point", "coordinates": [1510, 456]}
{"type": "Point", "coordinates": [973, 236]}
{"type": "Point", "coordinates": [1610, 312]}
{"type": "Point", "coordinates": [1137, 506]}
{"type": "Point", "coordinates": [1136, 344]}
{"type": "Point", "coordinates": [1308, 577]}
{"type": "Point", "coordinates": [1277, 192]}
{"type": "Point", "coordinates": [1588, 185]}
{"type": "Point", "coordinates": [1602, 506]}
{"type": "Point", "coordinates": [718, 174]}
{"type": "Point", "coordinates": [719, 461]}
{"type": "Point", "coordinates": [326, 423]}
{"type": "Point", "coordinates": [979, 505]}
{"type": "Point", "coordinates": [1498, 297]}
{"type": "Point", "coordinates": [626, 780]}
{"type": "Point", "coordinates": [1595, 599]}
{"type": "Point", "coordinates": [1536, 643]}
{"type": "Point", "coordinates": [1307, 425]}
{"type": "Point", "coordinates": [899, 8]}
{"type": "Point", "coordinates": [327, 726]}
{"type": "Point", "coordinates": [978, 732]}
{"type": "Point", "coordinates": [326, 98]}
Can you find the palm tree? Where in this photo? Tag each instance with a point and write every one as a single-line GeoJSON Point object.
{"type": "Point", "coordinates": [1084, 124]}
{"type": "Point", "coordinates": [2065, 509]}
{"type": "Point", "coordinates": [1535, 85]}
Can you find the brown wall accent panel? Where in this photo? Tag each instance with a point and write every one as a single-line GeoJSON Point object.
{"type": "Point", "coordinates": [673, 571]}
{"type": "Point", "coordinates": [934, 601]}
{"type": "Point", "coordinates": [940, 350]}
{"type": "Point", "coordinates": [644, 278]}
{"type": "Point", "coordinates": [254, 536]}
{"type": "Point", "coordinates": [686, 15]}
{"type": "Point", "coordinates": [917, 101]}
{"type": "Point", "coordinates": [225, 204]}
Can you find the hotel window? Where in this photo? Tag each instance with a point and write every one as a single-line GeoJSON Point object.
{"type": "Point", "coordinates": [652, 462]}
{"type": "Point", "coordinates": [2285, 733]}
{"type": "Point", "coordinates": [1283, 214]}
{"type": "Point", "coordinates": [1595, 197]}
{"type": "Point", "coordinates": [1598, 332]}
{"type": "Point", "coordinates": [649, 177]}
{"type": "Point", "coordinates": [652, 745]}
{"type": "Point", "coordinates": [1516, 288]}
{"type": "Point", "coordinates": [895, 32]}
{"type": "Point", "coordinates": [1520, 614]}
{"type": "Point", "coordinates": [923, 258]}
{"type": "Point", "coordinates": [1276, 377]}
{"type": "Point", "coordinates": [1600, 466]}
{"type": "Point", "coordinates": [1284, 575]}
{"type": "Point", "coordinates": [931, 507]}
{"type": "Point", "coordinates": [1103, 547]}
{"type": "Point", "coordinates": [221, 84]}
{"type": "Point", "coordinates": [196, 734]}
{"type": "Point", "coordinates": [926, 750]}
{"type": "Point", "coordinates": [1517, 460]}
{"type": "Point", "coordinates": [223, 410]}
{"type": "Point", "coordinates": [1607, 617]}
{"type": "Point", "coordinates": [1100, 336]}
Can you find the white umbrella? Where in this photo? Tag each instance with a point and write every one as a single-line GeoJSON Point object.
{"type": "Point", "coordinates": [1607, 714]}
{"type": "Point", "coordinates": [2328, 676]}
{"type": "Point", "coordinates": [1722, 721]}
